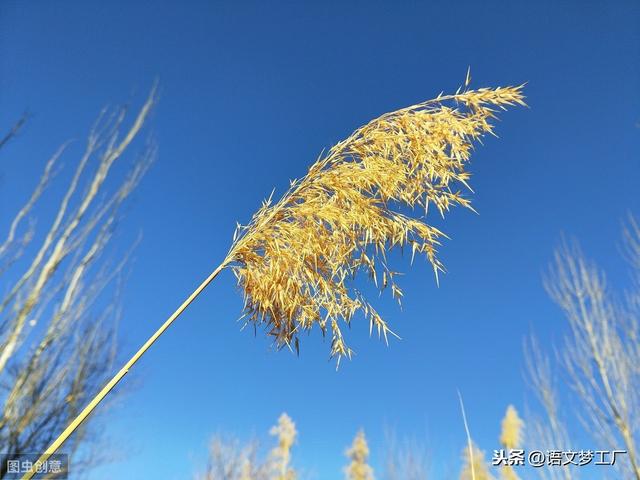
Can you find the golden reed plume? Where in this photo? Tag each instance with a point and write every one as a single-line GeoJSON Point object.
{"type": "Point", "coordinates": [294, 259]}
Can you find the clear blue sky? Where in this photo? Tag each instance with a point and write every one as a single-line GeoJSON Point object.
{"type": "Point", "coordinates": [250, 94]}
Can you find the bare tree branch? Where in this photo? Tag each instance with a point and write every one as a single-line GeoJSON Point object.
{"type": "Point", "coordinates": [405, 459]}
{"type": "Point", "coordinates": [49, 370]}
{"type": "Point", "coordinates": [55, 247]}
{"type": "Point", "coordinates": [14, 130]}
{"type": "Point", "coordinates": [602, 353]}
{"type": "Point", "coordinates": [546, 432]}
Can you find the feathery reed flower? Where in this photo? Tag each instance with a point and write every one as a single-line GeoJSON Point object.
{"type": "Point", "coordinates": [511, 435]}
{"type": "Point", "coordinates": [295, 259]}
{"type": "Point", "coordinates": [511, 438]}
{"type": "Point", "coordinates": [358, 453]}
{"type": "Point", "coordinates": [280, 458]}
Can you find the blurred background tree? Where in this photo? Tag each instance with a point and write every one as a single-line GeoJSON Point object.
{"type": "Point", "coordinates": [230, 459]}
{"type": "Point", "coordinates": [600, 356]}
{"type": "Point", "coordinates": [405, 459]}
{"type": "Point", "coordinates": [59, 306]}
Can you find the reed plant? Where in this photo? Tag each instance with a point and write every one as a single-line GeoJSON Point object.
{"type": "Point", "coordinates": [358, 453]}
{"type": "Point", "coordinates": [511, 439]}
{"type": "Point", "coordinates": [280, 457]}
{"type": "Point", "coordinates": [296, 259]}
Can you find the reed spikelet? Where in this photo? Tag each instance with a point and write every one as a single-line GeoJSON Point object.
{"type": "Point", "coordinates": [295, 259]}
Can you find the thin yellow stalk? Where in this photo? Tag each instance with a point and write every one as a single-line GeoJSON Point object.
{"type": "Point", "coordinates": [469, 442]}
{"type": "Point", "coordinates": [122, 372]}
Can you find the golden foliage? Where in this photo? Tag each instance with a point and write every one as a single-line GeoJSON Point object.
{"type": "Point", "coordinates": [358, 469]}
{"type": "Point", "coordinates": [295, 258]}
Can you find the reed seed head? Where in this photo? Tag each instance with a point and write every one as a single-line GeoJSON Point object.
{"type": "Point", "coordinates": [358, 453]}
{"type": "Point", "coordinates": [512, 425]}
{"type": "Point", "coordinates": [296, 259]}
{"type": "Point", "coordinates": [286, 433]}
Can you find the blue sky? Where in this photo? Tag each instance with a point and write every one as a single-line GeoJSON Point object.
{"type": "Point", "coordinates": [251, 92]}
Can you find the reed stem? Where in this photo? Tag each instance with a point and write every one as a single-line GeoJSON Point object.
{"type": "Point", "coordinates": [122, 372]}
